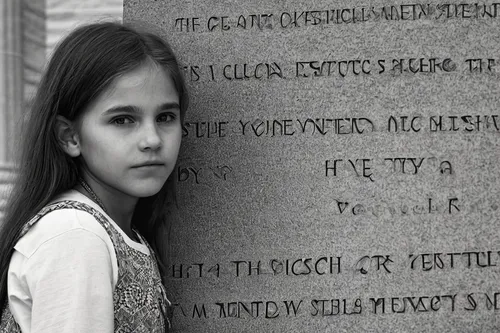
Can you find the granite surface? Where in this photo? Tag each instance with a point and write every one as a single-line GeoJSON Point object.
{"type": "Point", "coordinates": [339, 170]}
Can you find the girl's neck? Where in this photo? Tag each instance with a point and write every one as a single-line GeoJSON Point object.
{"type": "Point", "coordinates": [118, 206]}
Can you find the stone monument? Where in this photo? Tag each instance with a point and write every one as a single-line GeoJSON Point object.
{"type": "Point", "coordinates": [339, 170]}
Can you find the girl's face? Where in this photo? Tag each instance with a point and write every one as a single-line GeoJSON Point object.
{"type": "Point", "coordinates": [130, 136]}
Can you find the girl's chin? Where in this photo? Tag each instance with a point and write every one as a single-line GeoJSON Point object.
{"type": "Point", "coordinates": [141, 188]}
{"type": "Point", "coordinates": [147, 190]}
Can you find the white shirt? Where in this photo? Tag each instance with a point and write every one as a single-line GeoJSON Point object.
{"type": "Point", "coordinates": [63, 272]}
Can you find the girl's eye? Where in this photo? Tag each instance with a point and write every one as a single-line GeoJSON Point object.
{"type": "Point", "coordinates": [122, 120]}
{"type": "Point", "coordinates": [166, 117]}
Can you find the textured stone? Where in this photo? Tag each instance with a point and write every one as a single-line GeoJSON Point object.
{"type": "Point", "coordinates": [303, 162]}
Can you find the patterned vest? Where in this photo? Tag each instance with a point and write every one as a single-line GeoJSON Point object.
{"type": "Point", "coordinates": [139, 298]}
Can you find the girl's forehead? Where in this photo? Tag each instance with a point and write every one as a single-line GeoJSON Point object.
{"type": "Point", "coordinates": [147, 73]}
{"type": "Point", "coordinates": [144, 86]}
{"type": "Point", "coordinates": [147, 79]}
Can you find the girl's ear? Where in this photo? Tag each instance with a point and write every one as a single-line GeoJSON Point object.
{"type": "Point", "coordinates": [67, 136]}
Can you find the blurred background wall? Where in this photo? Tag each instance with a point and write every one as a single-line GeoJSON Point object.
{"type": "Point", "coordinates": [29, 31]}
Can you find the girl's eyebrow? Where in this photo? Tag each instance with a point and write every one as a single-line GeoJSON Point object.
{"type": "Point", "coordinates": [135, 109]}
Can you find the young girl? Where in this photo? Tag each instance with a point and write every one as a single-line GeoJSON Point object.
{"type": "Point", "coordinates": [83, 243]}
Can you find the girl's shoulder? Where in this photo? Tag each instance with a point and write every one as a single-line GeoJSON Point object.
{"type": "Point", "coordinates": [66, 214]}
{"type": "Point", "coordinates": [70, 213]}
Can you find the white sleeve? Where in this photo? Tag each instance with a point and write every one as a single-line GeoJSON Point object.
{"type": "Point", "coordinates": [70, 279]}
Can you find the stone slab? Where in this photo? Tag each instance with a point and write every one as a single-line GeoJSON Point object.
{"type": "Point", "coordinates": [339, 170]}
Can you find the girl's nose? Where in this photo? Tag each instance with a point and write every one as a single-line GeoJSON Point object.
{"type": "Point", "coordinates": [150, 139]}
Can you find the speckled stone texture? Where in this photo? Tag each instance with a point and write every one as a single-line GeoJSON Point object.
{"type": "Point", "coordinates": [342, 156]}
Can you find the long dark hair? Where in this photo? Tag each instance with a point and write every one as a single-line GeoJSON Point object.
{"type": "Point", "coordinates": [81, 68]}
